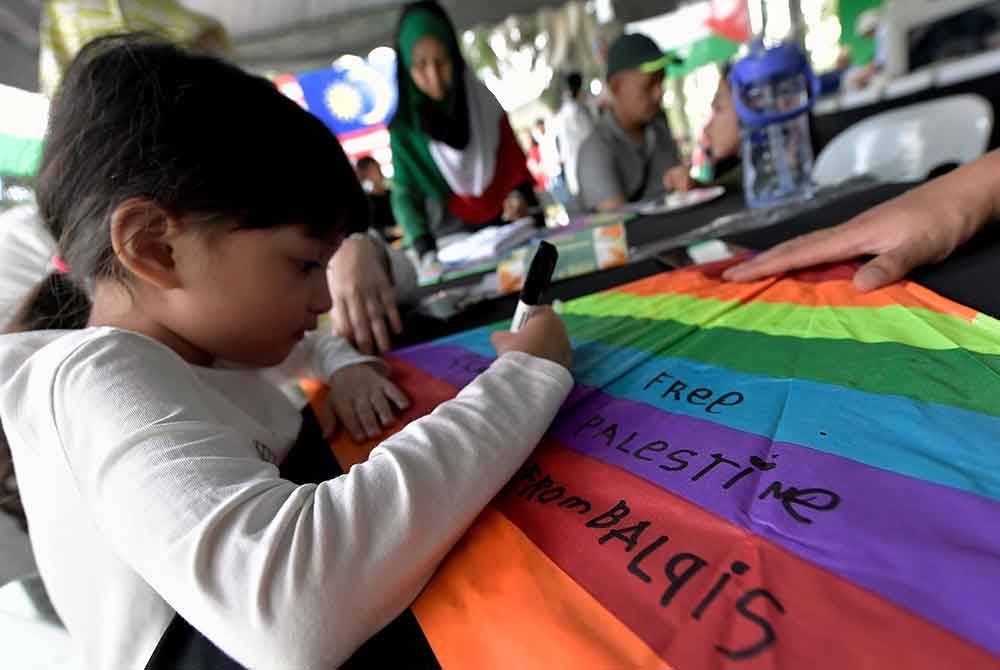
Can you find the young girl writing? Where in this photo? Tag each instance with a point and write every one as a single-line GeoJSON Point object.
{"type": "Point", "coordinates": [196, 209]}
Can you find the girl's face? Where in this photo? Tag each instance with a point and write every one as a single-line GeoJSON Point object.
{"type": "Point", "coordinates": [249, 296]}
{"type": "Point", "coordinates": [431, 68]}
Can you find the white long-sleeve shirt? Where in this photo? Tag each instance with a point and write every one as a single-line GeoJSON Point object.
{"type": "Point", "coordinates": [147, 492]}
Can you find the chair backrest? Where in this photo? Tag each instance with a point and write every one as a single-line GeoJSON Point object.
{"type": "Point", "coordinates": [907, 143]}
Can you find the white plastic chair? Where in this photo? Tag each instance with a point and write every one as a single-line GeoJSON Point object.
{"type": "Point", "coordinates": [906, 144]}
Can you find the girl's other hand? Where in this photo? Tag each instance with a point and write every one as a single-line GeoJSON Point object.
{"type": "Point", "coordinates": [544, 335]}
{"type": "Point", "coordinates": [362, 397]}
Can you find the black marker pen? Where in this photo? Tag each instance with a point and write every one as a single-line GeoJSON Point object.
{"type": "Point", "coordinates": [539, 276]}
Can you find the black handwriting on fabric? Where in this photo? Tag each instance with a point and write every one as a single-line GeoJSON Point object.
{"type": "Point", "coordinates": [654, 559]}
{"type": "Point", "coordinates": [668, 386]}
{"type": "Point", "coordinates": [713, 468]}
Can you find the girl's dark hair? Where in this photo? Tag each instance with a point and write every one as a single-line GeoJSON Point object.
{"type": "Point", "coordinates": [138, 117]}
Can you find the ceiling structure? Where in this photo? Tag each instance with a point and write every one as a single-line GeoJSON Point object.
{"type": "Point", "coordinates": [290, 35]}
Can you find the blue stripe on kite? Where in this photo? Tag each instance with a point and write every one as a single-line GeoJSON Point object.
{"type": "Point", "coordinates": [938, 443]}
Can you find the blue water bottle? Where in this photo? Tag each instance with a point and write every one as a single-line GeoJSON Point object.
{"type": "Point", "coordinates": [774, 90]}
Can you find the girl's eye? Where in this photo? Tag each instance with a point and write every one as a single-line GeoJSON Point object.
{"type": "Point", "coordinates": [309, 266]}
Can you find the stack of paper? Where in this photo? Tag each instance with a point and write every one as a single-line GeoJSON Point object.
{"type": "Point", "coordinates": [489, 242]}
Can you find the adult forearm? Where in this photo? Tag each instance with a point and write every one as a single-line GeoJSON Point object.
{"type": "Point", "coordinates": [971, 192]}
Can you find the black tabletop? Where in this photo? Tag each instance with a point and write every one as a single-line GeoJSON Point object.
{"type": "Point", "coordinates": [969, 276]}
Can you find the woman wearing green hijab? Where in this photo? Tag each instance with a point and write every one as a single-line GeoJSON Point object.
{"type": "Point", "coordinates": [458, 166]}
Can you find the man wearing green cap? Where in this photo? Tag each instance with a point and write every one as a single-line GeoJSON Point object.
{"type": "Point", "coordinates": [627, 157]}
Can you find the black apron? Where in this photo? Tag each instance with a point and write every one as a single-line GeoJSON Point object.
{"type": "Point", "coordinates": [401, 644]}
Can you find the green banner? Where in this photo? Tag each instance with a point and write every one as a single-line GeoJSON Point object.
{"type": "Point", "coordinates": [710, 49]}
{"type": "Point", "coordinates": [848, 11]}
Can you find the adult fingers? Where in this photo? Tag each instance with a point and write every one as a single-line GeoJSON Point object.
{"type": "Point", "coordinates": [823, 246]}
{"type": "Point", "coordinates": [376, 320]}
{"type": "Point", "coordinates": [341, 319]}
{"type": "Point", "coordinates": [360, 326]}
{"type": "Point", "coordinates": [388, 297]}
{"type": "Point", "coordinates": [889, 267]}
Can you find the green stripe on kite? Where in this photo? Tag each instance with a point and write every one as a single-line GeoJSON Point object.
{"type": "Point", "coordinates": [915, 327]}
{"type": "Point", "coordinates": [872, 368]}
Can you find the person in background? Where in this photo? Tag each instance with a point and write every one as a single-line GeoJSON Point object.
{"type": "Point", "coordinates": [375, 185]}
{"type": "Point", "coordinates": [628, 156]}
{"type": "Point", "coordinates": [551, 161]}
{"type": "Point", "coordinates": [924, 225]}
{"type": "Point", "coordinates": [723, 134]}
{"type": "Point", "coordinates": [721, 142]}
{"type": "Point", "coordinates": [573, 125]}
{"type": "Point", "coordinates": [870, 24]}
{"type": "Point", "coordinates": [457, 164]}
{"type": "Point", "coordinates": [535, 163]}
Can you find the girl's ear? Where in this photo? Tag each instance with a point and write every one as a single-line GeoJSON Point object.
{"type": "Point", "coordinates": [143, 235]}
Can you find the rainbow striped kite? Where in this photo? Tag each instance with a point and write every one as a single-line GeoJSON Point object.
{"type": "Point", "coordinates": [781, 474]}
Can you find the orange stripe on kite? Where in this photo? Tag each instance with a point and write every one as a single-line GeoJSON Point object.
{"type": "Point", "coordinates": [705, 593]}
{"type": "Point", "coordinates": [814, 288]}
{"type": "Point", "coordinates": [499, 602]}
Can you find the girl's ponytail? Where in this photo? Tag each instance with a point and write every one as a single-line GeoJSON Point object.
{"type": "Point", "coordinates": [56, 303]}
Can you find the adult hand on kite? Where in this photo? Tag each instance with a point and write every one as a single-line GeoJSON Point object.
{"type": "Point", "coordinates": [921, 226]}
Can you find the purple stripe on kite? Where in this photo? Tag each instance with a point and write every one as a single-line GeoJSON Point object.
{"type": "Point", "coordinates": [451, 363]}
{"type": "Point", "coordinates": [921, 545]}
{"type": "Point", "coordinates": [458, 366]}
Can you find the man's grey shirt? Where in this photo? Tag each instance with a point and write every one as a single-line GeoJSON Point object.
{"type": "Point", "coordinates": [612, 164]}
